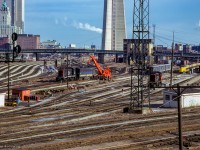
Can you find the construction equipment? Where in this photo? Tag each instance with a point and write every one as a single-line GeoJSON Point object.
{"type": "Point", "coordinates": [102, 73]}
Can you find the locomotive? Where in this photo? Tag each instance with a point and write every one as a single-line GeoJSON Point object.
{"type": "Point", "coordinates": [155, 79]}
{"type": "Point", "coordinates": [76, 73]}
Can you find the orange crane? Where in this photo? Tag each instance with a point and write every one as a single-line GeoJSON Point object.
{"type": "Point", "coordinates": [103, 74]}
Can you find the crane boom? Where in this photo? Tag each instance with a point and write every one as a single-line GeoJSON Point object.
{"type": "Point", "coordinates": [106, 73]}
{"type": "Point", "coordinates": [97, 65]}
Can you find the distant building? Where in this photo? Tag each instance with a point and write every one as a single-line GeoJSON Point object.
{"type": "Point", "coordinates": [196, 48]}
{"type": "Point", "coordinates": [129, 48]}
{"type": "Point", "coordinates": [93, 46]}
{"type": "Point", "coordinates": [72, 45]}
{"type": "Point", "coordinates": [4, 43]}
{"type": "Point", "coordinates": [178, 47]}
{"type": "Point", "coordinates": [160, 48]}
{"type": "Point", "coordinates": [6, 28]}
{"type": "Point", "coordinates": [28, 41]}
{"type": "Point", "coordinates": [50, 45]}
{"type": "Point", "coordinates": [187, 48]}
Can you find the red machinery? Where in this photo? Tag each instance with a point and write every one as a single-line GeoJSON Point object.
{"type": "Point", "coordinates": [103, 74]}
{"type": "Point", "coordinates": [155, 79]}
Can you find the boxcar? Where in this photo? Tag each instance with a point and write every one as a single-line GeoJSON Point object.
{"type": "Point", "coordinates": [65, 73]}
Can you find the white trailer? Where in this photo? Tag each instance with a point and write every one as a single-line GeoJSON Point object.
{"type": "Point", "coordinates": [187, 99]}
{"type": "Point", "coordinates": [190, 100]}
{"type": "Point", "coordinates": [2, 99]}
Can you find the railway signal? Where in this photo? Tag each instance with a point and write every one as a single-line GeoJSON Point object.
{"type": "Point", "coordinates": [17, 48]}
{"type": "Point", "coordinates": [16, 51]}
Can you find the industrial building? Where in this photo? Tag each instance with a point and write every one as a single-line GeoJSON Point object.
{"type": "Point", "coordinates": [50, 44]}
{"type": "Point", "coordinates": [4, 42]}
{"type": "Point", "coordinates": [29, 41]}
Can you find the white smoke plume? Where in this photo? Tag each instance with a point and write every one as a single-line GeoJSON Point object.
{"type": "Point", "coordinates": [61, 21]}
{"type": "Point", "coordinates": [87, 26]}
{"type": "Point", "coordinates": [198, 26]}
{"type": "Point", "coordinates": [56, 21]}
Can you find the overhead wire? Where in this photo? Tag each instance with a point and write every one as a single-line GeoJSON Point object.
{"type": "Point", "coordinates": [160, 29]}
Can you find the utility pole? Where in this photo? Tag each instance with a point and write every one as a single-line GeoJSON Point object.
{"type": "Point", "coordinates": [178, 89]}
{"type": "Point", "coordinates": [179, 117]}
{"type": "Point", "coordinates": [8, 59]}
{"type": "Point", "coordinates": [154, 34]}
{"type": "Point", "coordinates": [67, 72]}
{"type": "Point", "coordinates": [172, 62]}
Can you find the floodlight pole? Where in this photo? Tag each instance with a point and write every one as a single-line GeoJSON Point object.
{"type": "Point", "coordinates": [172, 62]}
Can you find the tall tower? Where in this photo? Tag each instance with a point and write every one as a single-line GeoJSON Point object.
{"type": "Point", "coordinates": [17, 12]}
{"type": "Point", "coordinates": [114, 31]}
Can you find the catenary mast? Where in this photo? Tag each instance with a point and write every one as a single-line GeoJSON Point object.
{"type": "Point", "coordinates": [140, 51]}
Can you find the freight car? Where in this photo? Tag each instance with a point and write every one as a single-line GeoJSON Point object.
{"type": "Point", "coordinates": [75, 73]}
{"type": "Point", "coordinates": [160, 68]}
{"type": "Point", "coordinates": [155, 79]}
{"type": "Point", "coordinates": [86, 73]}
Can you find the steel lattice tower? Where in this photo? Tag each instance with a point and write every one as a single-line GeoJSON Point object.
{"type": "Point", "coordinates": [140, 90]}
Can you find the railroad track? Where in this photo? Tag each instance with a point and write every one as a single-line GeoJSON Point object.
{"type": "Point", "coordinates": [105, 133]}
{"type": "Point", "coordinates": [71, 121]}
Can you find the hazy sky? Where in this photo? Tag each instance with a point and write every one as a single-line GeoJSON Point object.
{"type": "Point", "coordinates": [80, 21]}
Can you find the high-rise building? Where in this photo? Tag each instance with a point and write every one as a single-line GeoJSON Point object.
{"type": "Point", "coordinates": [16, 11]}
{"type": "Point", "coordinates": [6, 28]}
{"type": "Point", "coordinates": [114, 31]}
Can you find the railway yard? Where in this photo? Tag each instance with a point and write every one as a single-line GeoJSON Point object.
{"type": "Point", "coordinates": [88, 114]}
